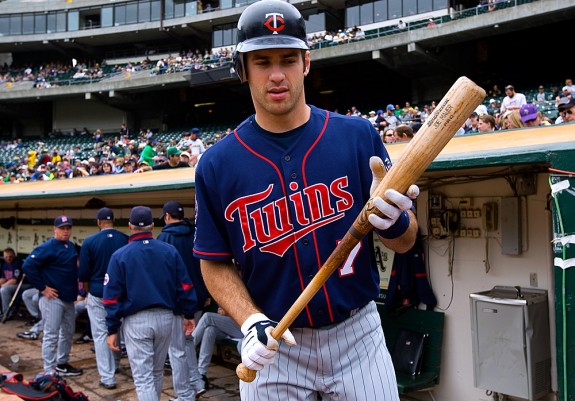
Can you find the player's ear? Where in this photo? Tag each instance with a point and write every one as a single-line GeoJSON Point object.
{"type": "Point", "coordinates": [306, 62]}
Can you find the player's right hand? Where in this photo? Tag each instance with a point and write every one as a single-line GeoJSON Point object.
{"type": "Point", "coordinates": [258, 346]}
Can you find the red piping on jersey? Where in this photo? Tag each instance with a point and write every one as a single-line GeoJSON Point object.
{"type": "Point", "coordinates": [187, 287]}
{"type": "Point", "coordinates": [285, 194]}
{"type": "Point", "coordinates": [319, 264]}
{"type": "Point", "coordinates": [110, 301]}
{"type": "Point", "coordinates": [212, 253]}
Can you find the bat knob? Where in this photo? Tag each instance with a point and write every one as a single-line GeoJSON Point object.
{"type": "Point", "coordinates": [245, 374]}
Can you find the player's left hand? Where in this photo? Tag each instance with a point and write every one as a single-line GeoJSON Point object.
{"type": "Point", "coordinates": [401, 202]}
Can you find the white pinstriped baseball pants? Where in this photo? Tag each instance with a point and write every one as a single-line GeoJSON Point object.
{"type": "Point", "coordinates": [180, 360]}
{"type": "Point", "coordinates": [59, 320]}
{"type": "Point", "coordinates": [105, 360]}
{"type": "Point", "coordinates": [343, 362]}
{"type": "Point", "coordinates": [147, 335]}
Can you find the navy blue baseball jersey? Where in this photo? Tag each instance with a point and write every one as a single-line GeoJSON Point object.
{"type": "Point", "coordinates": [181, 236]}
{"type": "Point", "coordinates": [95, 255]}
{"type": "Point", "coordinates": [278, 206]}
{"type": "Point", "coordinates": [145, 274]}
{"type": "Point", "coordinates": [55, 264]}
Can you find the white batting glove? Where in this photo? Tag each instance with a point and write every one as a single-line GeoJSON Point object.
{"type": "Point", "coordinates": [401, 203]}
{"type": "Point", "coordinates": [258, 346]}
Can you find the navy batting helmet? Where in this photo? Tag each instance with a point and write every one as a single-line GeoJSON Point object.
{"type": "Point", "coordinates": [268, 24]}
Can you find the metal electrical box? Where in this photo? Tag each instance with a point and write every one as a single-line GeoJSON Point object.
{"type": "Point", "coordinates": [511, 341]}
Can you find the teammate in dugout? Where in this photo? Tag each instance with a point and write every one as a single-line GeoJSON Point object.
{"type": "Point", "coordinates": [145, 285]}
{"type": "Point", "coordinates": [278, 207]}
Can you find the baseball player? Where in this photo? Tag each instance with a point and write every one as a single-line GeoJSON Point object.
{"type": "Point", "coordinates": [145, 284]}
{"type": "Point", "coordinates": [94, 258]}
{"type": "Point", "coordinates": [10, 277]}
{"type": "Point", "coordinates": [283, 220]}
{"type": "Point", "coordinates": [52, 268]}
{"type": "Point", "coordinates": [180, 233]}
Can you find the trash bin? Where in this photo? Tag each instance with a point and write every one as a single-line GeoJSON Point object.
{"type": "Point", "coordinates": [511, 341]}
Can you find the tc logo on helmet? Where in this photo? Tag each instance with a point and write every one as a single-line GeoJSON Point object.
{"type": "Point", "coordinates": [275, 22]}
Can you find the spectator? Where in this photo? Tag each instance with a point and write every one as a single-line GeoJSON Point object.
{"type": "Point", "coordinates": [513, 120]}
{"type": "Point", "coordinates": [372, 117]}
{"type": "Point", "coordinates": [148, 153]}
{"type": "Point", "coordinates": [472, 123]}
{"type": "Point", "coordinates": [390, 118]}
{"type": "Point", "coordinates": [529, 115]}
{"type": "Point", "coordinates": [423, 114]}
{"type": "Point", "coordinates": [388, 135]}
{"type": "Point", "coordinates": [172, 162]}
{"type": "Point", "coordinates": [541, 96]}
{"type": "Point", "coordinates": [569, 85]}
{"type": "Point", "coordinates": [513, 100]}
{"type": "Point", "coordinates": [196, 146]}
{"type": "Point", "coordinates": [403, 133]}
{"type": "Point", "coordinates": [567, 109]}
{"type": "Point", "coordinates": [95, 255]}
{"type": "Point", "coordinates": [492, 108]}
{"type": "Point", "coordinates": [185, 157]}
{"type": "Point", "coordinates": [52, 269]}
{"type": "Point", "coordinates": [486, 123]}
{"type": "Point", "coordinates": [147, 283]}
{"type": "Point", "coordinates": [380, 122]}
{"type": "Point", "coordinates": [495, 91]}
{"type": "Point", "coordinates": [401, 25]}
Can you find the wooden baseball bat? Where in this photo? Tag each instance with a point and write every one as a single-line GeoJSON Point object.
{"type": "Point", "coordinates": [449, 115]}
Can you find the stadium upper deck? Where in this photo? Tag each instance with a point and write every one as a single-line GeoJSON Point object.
{"type": "Point", "coordinates": [390, 66]}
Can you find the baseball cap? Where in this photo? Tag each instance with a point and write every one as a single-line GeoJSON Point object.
{"type": "Point", "coordinates": [141, 216]}
{"type": "Point", "coordinates": [509, 87]}
{"type": "Point", "coordinates": [62, 221]}
{"type": "Point", "coordinates": [380, 111]}
{"type": "Point", "coordinates": [185, 154]}
{"type": "Point", "coordinates": [566, 88]}
{"type": "Point", "coordinates": [390, 107]}
{"type": "Point", "coordinates": [491, 101]}
{"type": "Point", "coordinates": [173, 151]}
{"type": "Point", "coordinates": [565, 103]}
{"type": "Point", "coordinates": [196, 131]}
{"type": "Point", "coordinates": [172, 207]}
{"type": "Point", "coordinates": [528, 112]}
{"type": "Point", "coordinates": [372, 112]}
{"type": "Point", "coordinates": [105, 213]}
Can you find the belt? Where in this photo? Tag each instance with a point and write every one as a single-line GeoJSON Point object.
{"type": "Point", "coordinates": [346, 315]}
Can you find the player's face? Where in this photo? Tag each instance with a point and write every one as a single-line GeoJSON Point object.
{"type": "Point", "coordinates": [62, 233]}
{"type": "Point", "coordinates": [276, 79]}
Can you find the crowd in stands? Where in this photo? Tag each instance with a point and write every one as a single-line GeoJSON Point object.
{"type": "Point", "coordinates": [504, 110]}
{"type": "Point", "coordinates": [51, 74]}
{"type": "Point", "coordinates": [116, 154]}
{"type": "Point", "coordinates": [328, 38]}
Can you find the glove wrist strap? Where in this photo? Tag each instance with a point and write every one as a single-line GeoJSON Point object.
{"type": "Point", "coordinates": [251, 320]}
{"type": "Point", "coordinates": [397, 229]}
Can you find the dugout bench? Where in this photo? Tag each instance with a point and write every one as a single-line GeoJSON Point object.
{"type": "Point", "coordinates": [421, 321]}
